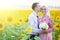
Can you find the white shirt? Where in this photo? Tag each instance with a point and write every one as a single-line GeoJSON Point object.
{"type": "Point", "coordinates": [33, 23]}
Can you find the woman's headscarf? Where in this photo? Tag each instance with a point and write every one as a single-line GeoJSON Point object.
{"type": "Point", "coordinates": [48, 10]}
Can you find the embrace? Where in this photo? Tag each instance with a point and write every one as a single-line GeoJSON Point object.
{"type": "Point", "coordinates": [42, 26]}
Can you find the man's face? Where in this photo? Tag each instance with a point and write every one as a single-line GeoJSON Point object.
{"type": "Point", "coordinates": [38, 7]}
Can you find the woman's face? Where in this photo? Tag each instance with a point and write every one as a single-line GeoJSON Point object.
{"type": "Point", "coordinates": [43, 10]}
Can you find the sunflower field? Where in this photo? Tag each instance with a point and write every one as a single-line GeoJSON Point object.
{"type": "Point", "coordinates": [55, 15]}
{"type": "Point", "coordinates": [14, 24]}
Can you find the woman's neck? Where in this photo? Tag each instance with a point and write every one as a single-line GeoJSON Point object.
{"type": "Point", "coordinates": [44, 14]}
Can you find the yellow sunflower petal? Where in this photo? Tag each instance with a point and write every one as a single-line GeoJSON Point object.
{"type": "Point", "coordinates": [2, 25]}
{"type": "Point", "coordinates": [52, 17]}
{"type": "Point", "coordinates": [58, 18]}
{"type": "Point", "coordinates": [56, 26]}
{"type": "Point", "coordinates": [29, 30]}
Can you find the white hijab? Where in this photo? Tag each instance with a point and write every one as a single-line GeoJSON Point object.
{"type": "Point", "coordinates": [48, 11]}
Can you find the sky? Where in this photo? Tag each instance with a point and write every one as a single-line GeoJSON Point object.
{"type": "Point", "coordinates": [26, 4]}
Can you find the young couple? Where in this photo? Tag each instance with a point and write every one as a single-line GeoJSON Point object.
{"type": "Point", "coordinates": [34, 21]}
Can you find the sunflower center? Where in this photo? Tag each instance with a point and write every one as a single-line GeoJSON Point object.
{"type": "Point", "coordinates": [17, 24]}
{"type": "Point", "coordinates": [57, 26]}
{"type": "Point", "coordinates": [20, 20]}
{"type": "Point", "coordinates": [9, 19]}
{"type": "Point", "coordinates": [57, 18]}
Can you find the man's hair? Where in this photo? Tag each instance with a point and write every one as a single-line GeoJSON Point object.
{"type": "Point", "coordinates": [34, 5]}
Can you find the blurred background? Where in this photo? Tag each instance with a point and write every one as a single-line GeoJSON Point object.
{"type": "Point", "coordinates": [14, 18]}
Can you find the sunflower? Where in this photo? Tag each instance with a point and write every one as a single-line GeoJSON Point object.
{"type": "Point", "coordinates": [58, 38]}
{"type": "Point", "coordinates": [26, 20]}
{"type": "Point", "coordinates": [52, 17]}
{"type": "Point", "coordinates": [58, 13]}
{"type": "Point", "coordinates": [59, 35]}
{"type": "Point", "coordinates": [56, 26]}
{"type": "Point", "coordinates": [16, 24]}
{"type": "Point", "coordinates": [29, 30]}
{"type": "Point", "coordinates": [58, 18]}
{"type": "Point", "coordinates": [22, 34]}
{"type": "Point", "coordinates": [10, 20]}
{"type": "Point", "coordinates": [53, 12]}
{"type": "Point", "coordinates": [2, 25]}
{"type": "Point", "coordinates": [40, 14]}
{"type": "Point", "coordinates": [20, 21]}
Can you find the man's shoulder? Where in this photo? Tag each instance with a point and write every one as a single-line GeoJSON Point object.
{"type": "Point", "coordinates": [31, 15]}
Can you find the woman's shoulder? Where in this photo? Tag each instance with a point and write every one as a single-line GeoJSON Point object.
{"type": "Point", "coordinates": [49, 18]}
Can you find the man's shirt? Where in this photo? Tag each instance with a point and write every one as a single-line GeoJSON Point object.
{"type": "Point", "coordinates": [33, 23]}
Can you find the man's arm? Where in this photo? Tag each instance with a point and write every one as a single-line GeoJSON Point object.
{"type": "Point", "coordinates": [32, 25]}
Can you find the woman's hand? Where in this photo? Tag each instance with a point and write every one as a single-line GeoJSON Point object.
{"type": "Point", "coordinates": [44, 31]}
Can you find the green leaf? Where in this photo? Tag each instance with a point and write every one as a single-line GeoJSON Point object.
{"type": "Point", "coordinates": [37, 38]}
